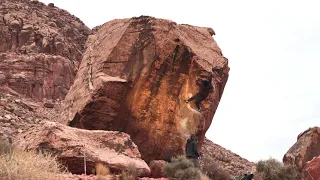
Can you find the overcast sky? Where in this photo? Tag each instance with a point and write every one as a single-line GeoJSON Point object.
{"type": "Point", "coordinates": [273, 49]}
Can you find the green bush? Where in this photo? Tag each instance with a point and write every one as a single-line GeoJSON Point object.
{"type": "Point", "coordinates": [182, 168]}
{"type": "Point", "coordinates": [273, 169]}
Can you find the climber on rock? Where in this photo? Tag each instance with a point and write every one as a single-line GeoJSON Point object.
{"type": "Point", "coordinates": [205, 88]}
{"type": "Point", "coordinates": [192, 150]}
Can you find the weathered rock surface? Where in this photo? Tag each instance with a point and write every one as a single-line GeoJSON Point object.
{"type": "Point", "coordinates": [145, 178]}
{"type": "Point", "coordinates": [156, 167]}
{"type": "Point", "coordinates": [136, 74]}
{"type": "Point", "coordinates": [92, 177]}
{"type": "Point", "coordinates": [311, 170]}
{"type": "Point", "coordinates": [114, 149]}
{"type": "Point", "coordinates": [87, 177]}
{"type": "Point", "coordinates": [37, 75]}
{"type": "Point", "coordinates": [32, 27]}
{"type": "Point", "coordinates": [305, 149]}
{"type": "Point", "coordinates": [231, 162]}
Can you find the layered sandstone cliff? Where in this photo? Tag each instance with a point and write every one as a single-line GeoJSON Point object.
{"type": "Point", "coordinates": [30, 28]}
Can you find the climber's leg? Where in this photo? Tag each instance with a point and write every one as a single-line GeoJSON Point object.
{"type": "Point", "coordinates": [199, 99]}
{"type": "Point", "coordinates": [196, 96]}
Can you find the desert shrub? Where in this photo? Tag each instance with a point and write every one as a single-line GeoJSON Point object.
{"type": "Point", "coordinates": [5, 147]}
{"type": "Point", "coordinates": [258, 176]}
{"type": "Point", "coordinates": [182, 168]}
{"type": "Point", "coordinates": [130, 173]}
{"type": "Point", "coordinates": [17, 164]}
{"type": "Point", "coordinates": [273, 169]}
{"type": "Point", "coordinates": [213, 171]}
{"type": "Point", "coordinates": [204, 177]}
{"type": "Point", "coordinates": [101, 169]}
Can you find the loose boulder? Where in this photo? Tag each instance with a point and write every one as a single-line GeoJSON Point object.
{"type": "Point", "coordinates": [113, 149]}
{"type": "Point", "coordinates": [136, 74]}
{"type": "Point", "coordinates": [305, 149]}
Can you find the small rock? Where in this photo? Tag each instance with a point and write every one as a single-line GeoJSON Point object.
{"type": "Point", "coordinates": [17, 100]}
{"type": "Point", "coordinates": [3, 102]}
{"type": "Point", "coordinates": [3, 78]}
{"type": "Point", "coordinates": [15, 24]}
{"type": "Point", "coordinates": [25, 105]}
{"type": "Point", "coordinates": [28, 27]}
{"type": "Point", "coordinates": [19, 131]}
{"type": "Point", "coordinates": [19, 113]}
{"type": "Point", "coordinates": [52, 24]}
{"type": "Point", "coordinates": [6, 124]}
{"type": "Point", "coordinates": [34, 1]}
{"type": "Point", "coordinates": [51, 5]}
{"type": "Point", "coordinates": [211, 31]}
{"type": "Point", "coordinates": [60, 47]}
{"type": "Point", "coordinates": [9, 108]}
{"type": "Point", "coordinates": [48, 105]}
{"type": "Point", "coordinates": [15, 125]}
{"type": "Point", "coordinates": [7, 116]}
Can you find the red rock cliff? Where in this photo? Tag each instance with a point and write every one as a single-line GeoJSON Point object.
{"type": "Point", "coordinates": [28, 28]}
{"type": "Point", "coordinates": [134, 76]}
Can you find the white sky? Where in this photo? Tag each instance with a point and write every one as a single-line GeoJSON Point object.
{"type": "Point", "coordinates": [273, 47]}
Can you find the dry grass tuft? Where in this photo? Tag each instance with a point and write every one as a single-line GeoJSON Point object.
{"type": "Point", "coordinates": [213, 170]}
{"type": "Point", "coordinates": [130, 173]}
{"type": "Point", "coordinates": [102, 170]}
{"type": "Point", "coordinates": [182, 168]}
{"type": "Point", "coordinates": [205, 177]}
{"type": "Point", "coordinates": [17, 164]}
{"type": "Point", "coordinates": [273, 169]}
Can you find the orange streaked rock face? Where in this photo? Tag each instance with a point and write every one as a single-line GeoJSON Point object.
{"type": "Point", "coordinates": [136, 74]}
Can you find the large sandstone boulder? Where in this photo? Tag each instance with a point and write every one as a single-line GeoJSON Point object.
{"type": "Point", "coordinates": [30, 27]}
{"type": "Point", "coordinates": [136, 74]}
{"type": "Point", "coordinates": [37, 75]}
{"type": "Point", "coordinates": [311, 170]}
{"type": "Point", "coordinates": [113, 149]}
{"type": "Point", "coordinates": [305, 149]}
